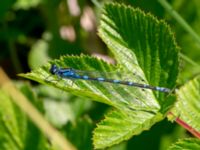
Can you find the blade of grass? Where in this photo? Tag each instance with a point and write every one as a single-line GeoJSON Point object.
{"type": "Point", "coordinates": [180, 20]}
{"type": "Point", "coordinates": [187, 59]}
{"type": "Point", "coordinates": [32, 113]}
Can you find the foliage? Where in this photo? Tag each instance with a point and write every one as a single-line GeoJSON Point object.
{"type": "Point", "coordinates": [189, 143]}
{"type": "Point", "coordinates": [144, 50]}
{"type": "Point", "coordinates": [17, 131]}
{"type": "Point", "coordinates": [187, 101]}
{"type": "Point", "coordinates": [114, 32]}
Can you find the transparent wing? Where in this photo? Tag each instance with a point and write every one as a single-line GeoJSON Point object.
{"type": "Point", "coordinates": [134, 77]}
{"type": "Point", "coordinates": [129, 96]}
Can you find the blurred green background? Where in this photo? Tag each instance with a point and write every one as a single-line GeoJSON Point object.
{"type": "Point", "coordinates": [35, 31]}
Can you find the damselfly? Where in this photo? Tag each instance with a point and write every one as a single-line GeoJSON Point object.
{"type": "Point", "coordinates": [70, 73]}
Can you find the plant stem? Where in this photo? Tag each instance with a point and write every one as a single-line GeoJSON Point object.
{"type": "Point", "coordinates": [186, 126]}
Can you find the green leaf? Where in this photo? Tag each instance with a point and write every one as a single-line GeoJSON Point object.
{"type": "Point", "coordinates": [142, 44]}
{"type": "Point", "coordinates": [119, 126]}
{"type": "Point", "coordinates": [187, 107]}
{"type": "Point", "coordinates": [128, 99]}
{"type": "Point", "coordinates": [119, 96]}
{"type": "Point", "coordinates": [186, 144]}
{"type": "Point", "coordinates": [10, 136]}
{"type": "Point", "coordinates": [17, 132]}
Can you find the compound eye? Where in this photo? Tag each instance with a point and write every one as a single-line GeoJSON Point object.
{"type": "Point", "coordinates": [53, 69]}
